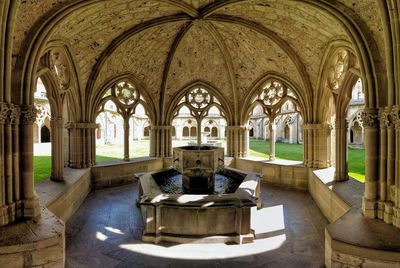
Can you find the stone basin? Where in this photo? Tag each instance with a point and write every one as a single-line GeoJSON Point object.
{"type": "Point", "coordinates": [198, 217]}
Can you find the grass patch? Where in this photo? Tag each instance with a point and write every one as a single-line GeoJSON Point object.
{"type": "Point", "coordinates": [260, 148]}
{"type": "Point", "coordinates": [42, 167]}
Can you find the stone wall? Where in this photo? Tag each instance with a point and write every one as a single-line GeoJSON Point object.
{"type": "Point", "coordinates": [122, 172]}
{"type": "Point", "coordinates": [38, 243]}
{"type": "Point", "coordinates": [281, 173]}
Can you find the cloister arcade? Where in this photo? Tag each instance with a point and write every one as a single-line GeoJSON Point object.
{"type": "Point", "coordinates": [324, 74]}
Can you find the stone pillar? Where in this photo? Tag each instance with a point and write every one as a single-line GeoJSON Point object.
{"type": "Point", "coordinates": [246, 140]}
{"type": "Point", "coordinates": [82, 143]}
{"type": "Point", "coordinates": [383, 134]}
{"type": "Point", "coordinates": [198, 132]}
{"type": "Point", "coordinates": [57, 149]}
{"type": "Point", "coordinates": [370, 122]}
{"type": "Point", "coordinates": [126, 139]}
{"type": "Point", "coordinates": [30, 201]}
{"type": "Point", "coordinates": [15, 112]}
{"type": "Point", "coordinates": [395, 188]}
{"type": "Point", "coordinates": [236, 144]}
{"type": "Point", "coordinates": [272, 129]}
{"type": "Point", "coordinates": [161, 141]}
{"type": "Point", "coordinates": [341, 168]}
{"type": "Point", "coordinates": [317, 145]}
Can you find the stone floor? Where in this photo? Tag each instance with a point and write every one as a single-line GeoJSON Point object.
{"type": "Point", "coordinates": [106, 230]}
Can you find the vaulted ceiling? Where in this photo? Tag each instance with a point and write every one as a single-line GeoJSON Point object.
{"type": "Point", "coordinates": [168, 44]}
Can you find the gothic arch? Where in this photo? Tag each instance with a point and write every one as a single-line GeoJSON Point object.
{"type": "Point", "coordinates": [175, 105]}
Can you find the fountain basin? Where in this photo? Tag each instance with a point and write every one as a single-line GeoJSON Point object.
{"type": "Point", "coordinates": [184, 217]}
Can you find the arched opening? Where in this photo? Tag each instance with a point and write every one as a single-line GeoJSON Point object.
{"type": "Point", "coordinates": [185, 132]}
{"type": "Point", "coordinates": [122, 115]}
{"type": "Point", "coordinates": [275, 111]}
{"type": "Point", "coordinates": [214, 132]}
{"type": "Point", "coordinates": [356, 151]}
{"type": "Point", "coordinates": [193, 132]}
{"type": "Point", "coordinates": [200, 118]}
{"type": "Point", "coordinates": [146, 132]}
{"type": "Point", "coordinates": [287, 133]}
{"type": "Point", "coordinates": [44, 134]}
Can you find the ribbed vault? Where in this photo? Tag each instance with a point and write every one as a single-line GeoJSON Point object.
{"type": "Point", "coordinates": [168, 44]}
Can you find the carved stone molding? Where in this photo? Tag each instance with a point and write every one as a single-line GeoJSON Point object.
{"type": "Point", "coordinates": [15, 114]}
{"type": "Point", "coordinates": [395, 116]}
{"type": "Point", "coordinates": [4, 110]}
{"type": "Point", "coordinates": [28, 114]}
{"type": "Point", "coordinates": [384, 118]}
{"type": "Point", "coordinates": [370, 118]}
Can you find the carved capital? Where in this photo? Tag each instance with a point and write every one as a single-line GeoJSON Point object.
{"type": "Point", "coordinates": [395, 116]}
{"type": "Point", "coordinates": [28, 114]}
{"type": "Point", "coordinates": [370, 118]}
{"type": "Point", "coordinates": [4, 110]}
{"type": "Point", "coordinates": [15, 114]}
{"type": "Point", "coordinates": [384, 117]}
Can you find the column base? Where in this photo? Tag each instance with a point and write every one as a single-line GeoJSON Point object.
{"type": "Point", "coordinates": [341, 177]}
{"type": "Point", "coordinates": [388, 213]}
{"type": "Point", "coordinates": [396, 217]}
{"type": "Point", "coordinates": [369, 208]}
{"type": "Point", "coordinates": [31, 208]}
{"type": "Point", "coordinates": [381, 210]}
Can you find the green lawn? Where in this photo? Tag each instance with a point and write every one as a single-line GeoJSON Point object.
{"type": "Point", "coordinates": [260, 148]}
{"type": "Point", "coordinates": [42, 167]}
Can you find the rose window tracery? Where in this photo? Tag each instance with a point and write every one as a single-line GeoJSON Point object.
{"type": "Point", "coordinates": [199, 98]}
{"type": "Point", "coordinates": [126, 93]}
{"type": "Point", "coordinates": [272, 93]}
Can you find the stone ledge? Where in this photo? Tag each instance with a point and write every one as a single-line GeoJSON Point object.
{"type": "Point", "coordinates": [121, 172]}
{"type": "Point", "coordinates": [64, 198]}
{"type": "Point", "coordinates": [33, 243]}
{"type": "Point", "coordinates": [352, 240]}
{"type": "Point", "coordinates": [287, 173]}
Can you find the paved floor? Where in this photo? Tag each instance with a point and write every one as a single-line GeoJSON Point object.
{"type": "Point", "coordinates": [106, 230]}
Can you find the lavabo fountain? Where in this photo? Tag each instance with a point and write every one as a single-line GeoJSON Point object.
{"type": "Point", "coordinates": [198, 199]}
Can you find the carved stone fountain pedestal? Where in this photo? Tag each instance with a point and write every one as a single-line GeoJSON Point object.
{"type": "Point", "coordinates": [182, 205]}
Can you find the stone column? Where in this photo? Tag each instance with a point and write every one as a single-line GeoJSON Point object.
{"type": "Point", "coordinates": [57, 149]}
{"type": "Point", "coordinates": [3, 208]}
{"type": "Point", "coordinates": [198, 132]}
{"type": "Point", "coordinates": [272, 129]}
{"type": "Point", "coordinates": [82, 144]}
{"type": "Point", "coordinates": [15, 112]}
{"type": "Point", "coordinates": [236, 145]}
{"type": "Point", "coordinates": [396, 187]}
{"type": "Point", "coordinates": [161, 141]}
{"type": "Point", "coordinates": [246, 140]}
{"type": "Point", "coordinates": [30, 201]}
{"type": "Point", "coordinates": [370, 122]}
{"type": "Point", "coordinates": [317, 145]}
{"type": "Point", "coordinates": [341, 168]}
{"type": "Point", "coordinates": [126, 139]}
{"type": "Point", "coordinates": [384, 123]}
